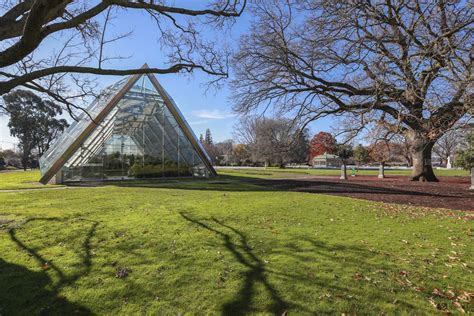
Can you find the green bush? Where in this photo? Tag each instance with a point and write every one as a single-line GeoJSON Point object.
{"type": "Point", "coordinates": [158, 171]}
{"type": "Point", "coordinates": [465, 158]}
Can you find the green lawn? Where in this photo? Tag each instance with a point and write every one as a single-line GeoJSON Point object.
{"type": "Point", "coordinates": [29, 179]}
{"type": "Point", "coordinates": [227, 247]}
{"type": "Point", "coordinates": [20, 180]}
{"type": "Point", "coordinates": [289, 172]}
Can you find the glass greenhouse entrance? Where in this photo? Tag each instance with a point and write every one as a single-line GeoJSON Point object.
{"type": "Point", "coordinates": [132, 131]}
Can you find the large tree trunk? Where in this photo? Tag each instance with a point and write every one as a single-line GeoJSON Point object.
{"type": "Point", "coordinates": [24, 162]}
{"type": "Point", "coordinates": [421, 149]}
{"type": "Point", "coordinates": [381, 170]}
{"type": "Point", "coordinates": [24, 157]}
{"type": "Point", "coordinates": [343, 172]}
{"type": "Point", "coordinates": [472, 179]}
{"type": "Point", "coordinates": [281, 164]}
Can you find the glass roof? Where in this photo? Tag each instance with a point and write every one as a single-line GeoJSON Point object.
{"type": "Point", "coordinates": [141, 137]}
{"type": "Point", "coordinates": [65, 140]}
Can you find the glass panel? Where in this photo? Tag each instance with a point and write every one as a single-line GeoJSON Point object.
{"type": "Point", "coordinates": [66, 139]}
{"type": "Point", "coordinates": [138, 139]}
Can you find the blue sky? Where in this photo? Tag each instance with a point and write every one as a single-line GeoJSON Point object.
{"type": "Point", "coordinates": [202, 110]}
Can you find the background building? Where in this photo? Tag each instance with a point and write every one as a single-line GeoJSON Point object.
{"type": "Point", "coordinates": [326, 160]}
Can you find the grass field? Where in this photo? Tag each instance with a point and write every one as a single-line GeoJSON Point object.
{"type": "Point", "coordinates": [226, 247]}
{"type": "Point", "coordinates": [29, 179]}
{"type": "Point", "coordinates": [281, 173]}
{"type": "Point", "coordinates": [20, 180]}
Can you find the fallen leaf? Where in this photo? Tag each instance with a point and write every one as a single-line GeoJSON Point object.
{"type": "Point", "coordinates": [432, 302]}
{"type": "Point", "coordinates": [459, 307]}
{"type": "Point", "coordinates": [437, 292]}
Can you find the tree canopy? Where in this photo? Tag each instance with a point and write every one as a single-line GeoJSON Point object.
{"type": "Point", "coordinates": [465, 156]}
{"type": "Point", "coordinates": [79, 34]}
{"type": "Point", "coordinates": [405, 64]}
{"type": "Point", "coordinates": [345, 152]}
{"type": "Point", "coordinates": [321, 143]}
{"type": "Point", "coordinates": [33, 121]}
{"type": "Point", "coordinates": [361, 154]}
{"type": "Point", "coordinates": [273, 140]}
{"type": "Point", "coordinates": [381, 151]}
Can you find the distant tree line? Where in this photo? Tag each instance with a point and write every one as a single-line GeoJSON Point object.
{"type": "Point", "coordinates": [261, 141]}
{"type": "Point", "coordinates": [258, 140]}
{"type": "Point", "coordinates": [10, 159]}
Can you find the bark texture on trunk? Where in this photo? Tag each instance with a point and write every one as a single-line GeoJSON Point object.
{"type": "Point", "coordinates": [421, 149]}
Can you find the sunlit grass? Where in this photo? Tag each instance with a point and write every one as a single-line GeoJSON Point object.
{"type": "Point", "coordinates": [29, 179]}
{"type": "Point", "coordinates": [227, 247]}
{"type": "Point", "coordinates": [291, 172]}
{"type": "Point", "coordinates": [20, 180]}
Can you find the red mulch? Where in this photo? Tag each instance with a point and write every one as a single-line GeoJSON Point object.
{"type": "Point", "coordinates": [451, 192]}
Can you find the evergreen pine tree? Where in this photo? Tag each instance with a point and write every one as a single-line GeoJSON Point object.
{"type": "Point", "coordinates": [208, 137]}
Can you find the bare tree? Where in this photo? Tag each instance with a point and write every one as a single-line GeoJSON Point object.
{"type": "Point", "coordinates": [78, 33]}
{"type": "Point", "coordinates": [407, 64]}
{"type": "Point", "coordinates": [401, 148]}
{"type": "Point", "coordinates": [224, 152]}
{"type": "Point", "coordinates": [447, 145]}
{"type": "Point", "coordinates": [273, 140]}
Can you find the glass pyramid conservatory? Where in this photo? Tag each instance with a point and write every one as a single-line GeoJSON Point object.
{"type": "Point", "coordinates": [133, 130]}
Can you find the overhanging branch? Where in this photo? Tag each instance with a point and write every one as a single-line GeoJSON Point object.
{"type": "Point", "coordinates": [7, 86]}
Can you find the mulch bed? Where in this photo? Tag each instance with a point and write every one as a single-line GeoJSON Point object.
{"type": "Point", "coordinates": [451, 192]}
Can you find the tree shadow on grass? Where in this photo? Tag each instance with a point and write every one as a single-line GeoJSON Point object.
{"type": "Point", "coordinates": [24, 291]}
{"type": "Point", "coordinates": [309, 284]}
{"type": "Point", "coordinates": [405, 194]}
{"type": "Point", "coordinates": [242, 252]}
{"type": "Point", "coordinates": [36, 292]}
{"type": "Point", "coordinates": [222, 183]}
{"type": "Point", "coordinates": [251, 184]}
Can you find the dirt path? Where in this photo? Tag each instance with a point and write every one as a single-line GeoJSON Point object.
{"type": "Point", "coordinates": [450, 192]}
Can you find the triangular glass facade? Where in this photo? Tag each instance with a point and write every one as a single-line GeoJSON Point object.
{"type": "Point", "coordinates": [143, 135]}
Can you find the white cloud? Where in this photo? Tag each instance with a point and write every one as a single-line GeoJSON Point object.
{"type": "Point", "coordinates": [199, 122]}
{"type": "Point", "coordinates": [213, 114]}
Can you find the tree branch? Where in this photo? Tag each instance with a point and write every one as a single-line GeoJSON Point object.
{"type": "Point", "coordinates": [7, 86]}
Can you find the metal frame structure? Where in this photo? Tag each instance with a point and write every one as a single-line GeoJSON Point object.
{"type": "Point", "coordinates": [98, 122]}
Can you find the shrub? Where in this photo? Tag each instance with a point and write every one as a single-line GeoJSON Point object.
{"type": "Point", "coordinates": [158, 171]}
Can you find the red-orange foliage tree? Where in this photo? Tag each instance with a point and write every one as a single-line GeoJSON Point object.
{"type": "Point", "coordinates": [322, 143]}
